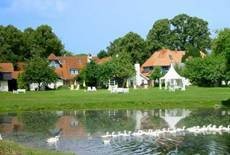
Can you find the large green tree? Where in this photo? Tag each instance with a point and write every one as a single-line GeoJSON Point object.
{"type": "Point", "coordinates": [38, 71]}
{"type": "Point", "coordinates": [17, 45]}
{"type": "Point", "coordinates": [131, 43]}
{"type": "Point", "coordinates": [106, 72]}
{"type": "Point", "coordinates": [159, 36]}
{"type": "Point", "coordinates": [190, 32]}
{"type": "Point", "coordinates": [209, 71]}
{"type": "Point", "coordinates": [11, 45]}
{"type": "Point", "coordinates": [45, 42]}
{"type": "Point", "coordinates": [123, 68]}
{"type": "Point", "coordinates": [183, 32]}
{"type": "Point", "coordinates": [221, 46]}
{"type": "Point", "coordinates": [91, 74]}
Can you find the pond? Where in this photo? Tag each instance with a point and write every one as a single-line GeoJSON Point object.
{"type": "Point", "coordinates": [82, 131]}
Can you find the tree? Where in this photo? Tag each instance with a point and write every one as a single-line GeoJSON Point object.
{"type": "Point", "coordinates": [11, 45]}
{"type": "Point", "coordinates": [16, 45]}
{"type": "Point", "coordinates": [102, 54]}
{"type": "Point", "coordinates": [221, 46]}
{"type": "Point", "coordinates": [131, 43]}
{"type": "Point", "coordinates": [106, 71]}
{"type": "Point", "coordinates": [122, 68]}
{"type": "Point", "coordinates": [209, 71]}
{"type": "Point", "coordinates": [190, 34]}
{"type": "Point", "coordinates": [92, 74]}
{"type": "Point", "coordinates": [45, 42]}
{"type": "Point", "coordinates": [159, 36]}
{"type": "Point", "coordinates": [156, 73]}
{"type": "Point", "coordinates": [38, 71]}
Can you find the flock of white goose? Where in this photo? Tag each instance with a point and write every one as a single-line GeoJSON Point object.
{"type": "Point", "coordinates": [209, 129]}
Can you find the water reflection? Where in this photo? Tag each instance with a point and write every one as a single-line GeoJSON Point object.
{"type": "Point", "coordinates": [81, 130]}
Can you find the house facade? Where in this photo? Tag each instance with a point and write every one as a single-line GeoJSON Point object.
{"type": "Point", "coordinates": [162, 58]}
{"type": "Point", "coordinates": [68, 67]}
{"type": "Point", "coordinates": [138, 80]}
{"type": "Point", "coordinates": [8, 77]}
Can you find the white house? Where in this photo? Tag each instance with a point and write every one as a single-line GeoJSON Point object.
{"type": "Point", "coordinates": [138, 79]}
{"type": "Point", "coordinates": [6, 77]}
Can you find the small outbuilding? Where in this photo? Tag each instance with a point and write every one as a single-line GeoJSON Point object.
{"type": "Point", "coordinates": [172, 80]}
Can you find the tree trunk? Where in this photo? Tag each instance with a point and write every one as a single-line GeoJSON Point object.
{"type": "Point", "coordinates": [39, 86]}
{"type": "Point", "coordinates": [123, 83]}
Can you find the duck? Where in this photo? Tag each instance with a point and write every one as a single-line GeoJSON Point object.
{"type": "Point", "coordinates": [114, 135]}
{"type": "Point", "coordinates": [138, 133]}
{"type": "Point", "coordinates": [126, 134]}
{"type": "Point", "coordinates": [106, 136]}
{"type": "Point", "coordinates": [226, 129]}
{"type": "Point", "coordinates": [53, 140]}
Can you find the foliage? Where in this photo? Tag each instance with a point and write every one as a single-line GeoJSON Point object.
{"type": "Point", "coordinates": [92, 74]}
{"type": "Point", "coordinates": [106, 71]}
{"type": "Point", "coordinates": [17, 45]}
{"type": "Point", "coordinates": [119, 68]}
{"type": "Point", "coordinates": [159, 36]}
{"type": "Point", "coordinates": [122, 68]}
{"type": "Point", "coordinates": [132, 44]}
{"type": "Point", "coordinates": [190, 32]}
{"type": "Point", "coordinates": [22, 84]}
{"type": "Point", "coordinates": [38, 71]}
{"type": "Point", "coordinates": [102, 54]}
{"type": "Point", "coordinates": [156, 73]}
{"type": "Point", "coordinates": [209, 71]}
{"type": "Point", "coordinates": [221, 46]}
{"type": "Point", "coordinates": [183, 32]}
{"type": "Point", "coordinates": [11, 45]}
{"type": "Point", "coordinates": [38, 121]}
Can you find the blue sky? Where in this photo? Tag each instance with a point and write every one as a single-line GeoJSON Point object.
{"type": "Point", "coordinates": [89, 25]}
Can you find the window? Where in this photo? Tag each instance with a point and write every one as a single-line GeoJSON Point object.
{"type": "Point", "coordinates": [73, 71]}
{"type": "Point", "coordinates": [148, 69]}
{"type": "Point", "coordinates": [54, 64]}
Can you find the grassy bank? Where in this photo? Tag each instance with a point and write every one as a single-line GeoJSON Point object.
{"type": "Point", "coordinates": [10, 148]}
{"type": "Point", "coordinates": [194, 97]}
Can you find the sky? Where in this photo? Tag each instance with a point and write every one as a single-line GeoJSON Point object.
{"type": "Point", "coordinates": [88, 26]}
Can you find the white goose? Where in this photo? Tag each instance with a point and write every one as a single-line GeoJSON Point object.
{"type": "Point", "coordinates": [106, 136]}
{"type": "Point", "coordinates": [0, 137]}
{"type": "Point", "coordinates": [53, 140]}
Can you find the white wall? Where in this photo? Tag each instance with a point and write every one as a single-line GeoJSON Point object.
{"type": "Point", "coordinates": [137, 79]}
{"type": "Point", "coordinates": [58, 84]}
{"type": "Point", "coordinates": [3, 85]}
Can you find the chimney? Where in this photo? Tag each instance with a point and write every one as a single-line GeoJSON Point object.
{"type": "Point", "coordinates": [137, 75]}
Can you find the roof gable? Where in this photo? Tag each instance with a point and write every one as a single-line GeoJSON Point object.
{"type": "Point", "coordinates": [6, 67]}
{"type": "Point", "coordinates": [164, 57]}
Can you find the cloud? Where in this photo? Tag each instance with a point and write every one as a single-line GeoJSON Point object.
{"type": "Point", "coordinates": [43, 8]}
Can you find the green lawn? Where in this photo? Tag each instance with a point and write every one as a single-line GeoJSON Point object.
{"type": "Point", "coordinates": [193, 97]}
{"type": "Point", "coordinates": [11, 148]}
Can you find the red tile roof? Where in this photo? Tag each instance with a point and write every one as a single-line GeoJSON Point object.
{"type": "Point", "coordinates": [52, 57]}
{"type": "Point", "coordinates": [67, 63]}
{"type": "Point", "coordinates": [6, 67]}
{"type": "Point", "coordinates": [164, 57]}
